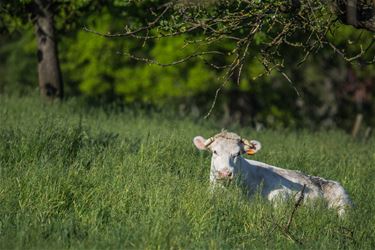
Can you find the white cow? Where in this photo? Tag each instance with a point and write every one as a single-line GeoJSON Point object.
{"type": "Point", "coordinates": [277, 183]}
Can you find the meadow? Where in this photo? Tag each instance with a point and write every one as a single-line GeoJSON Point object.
{"type": "Point", "coordinates": [78, 177]}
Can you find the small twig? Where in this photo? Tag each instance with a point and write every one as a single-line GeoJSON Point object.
{"type": "Point", "coordinates": [138, 36]}
{"type": "Point", "coordinates": [217, 67]}
{"type": "Point", "coordinates": [288, 235]}
{"type": "Point", "coordinates": [296, 205]}
{"type": "Point", "coordinates": [357, 125]}
{"type": "Point", "coordinates": [129, 33]}
{"type": "Point", "coordinates": [285, 230]}
{"type": "Point", "coordinates": [214, 101]}
{"type": "Point", "coordinates": [244, 54]}
{"type": "Point", "coordinates": [182, 60]}
{"type": "Point", "coordinates": [289, 81]}
{"type": "Point", "coordinates": [343, 55]}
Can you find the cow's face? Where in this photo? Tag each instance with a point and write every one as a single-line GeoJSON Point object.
{"type": "Point", "coordinates": [226, 149]}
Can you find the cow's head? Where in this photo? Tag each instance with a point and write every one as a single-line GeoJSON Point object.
{"type": "Point", "coordinates": [226, 149]}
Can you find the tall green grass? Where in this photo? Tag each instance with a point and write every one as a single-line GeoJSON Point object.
{"type": "Point", "coordinates": [78, 177]}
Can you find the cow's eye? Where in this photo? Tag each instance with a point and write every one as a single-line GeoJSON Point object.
{"type": "Point", "coordinates": [215, 152]}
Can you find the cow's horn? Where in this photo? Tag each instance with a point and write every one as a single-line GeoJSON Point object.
{"type": "Point", "coordinates": [248, 145]}
{"type": "Point", "coordinates": [208, 141]}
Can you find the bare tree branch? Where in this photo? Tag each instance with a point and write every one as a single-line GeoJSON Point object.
{"type": "Point", "coordinates": [182, 60]}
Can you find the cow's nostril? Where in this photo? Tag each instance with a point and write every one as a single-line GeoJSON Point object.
{"type": "Point", "coordinates": [230, 174]}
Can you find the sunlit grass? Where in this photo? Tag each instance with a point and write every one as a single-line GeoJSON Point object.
{"type": "Point", "coordinates": [73, 177]}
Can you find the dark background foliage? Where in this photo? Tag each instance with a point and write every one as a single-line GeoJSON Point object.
{"type": "Point", "coordinates": [325, 91]}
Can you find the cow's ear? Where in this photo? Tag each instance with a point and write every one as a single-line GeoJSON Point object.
{"type": "Point", "coordinates": [255, 147]}
{"type": "Point", "coordinates": [199, 142]}
{"type": "Point", "coordinates": [251, 147]}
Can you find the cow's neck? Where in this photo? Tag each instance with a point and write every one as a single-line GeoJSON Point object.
{"type": "Point", "coordinates": [253, 174]}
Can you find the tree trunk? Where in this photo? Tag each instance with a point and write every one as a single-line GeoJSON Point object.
{"type": "Point", "coordinates": [358, 13]}
{"type": "Point", "coordinates": [49, 73]}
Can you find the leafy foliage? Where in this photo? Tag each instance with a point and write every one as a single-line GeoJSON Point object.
{"type": "Point", "coordinates": [18, 67]}
{"type": "Point", "coordinates": [264, 29]}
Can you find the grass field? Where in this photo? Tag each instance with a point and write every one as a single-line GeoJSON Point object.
{"type": "Point", "coordinates": [75, 177]}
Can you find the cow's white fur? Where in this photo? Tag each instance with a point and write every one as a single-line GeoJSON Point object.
{"type": "Point", "coordinates": [276, 183]}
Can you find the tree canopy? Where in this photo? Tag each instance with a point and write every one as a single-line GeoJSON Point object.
{"type": "Point", "coordinates": [257, 28]}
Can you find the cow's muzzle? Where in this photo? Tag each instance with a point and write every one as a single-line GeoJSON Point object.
{"type": "Point", "coordinates": [224, 175]}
